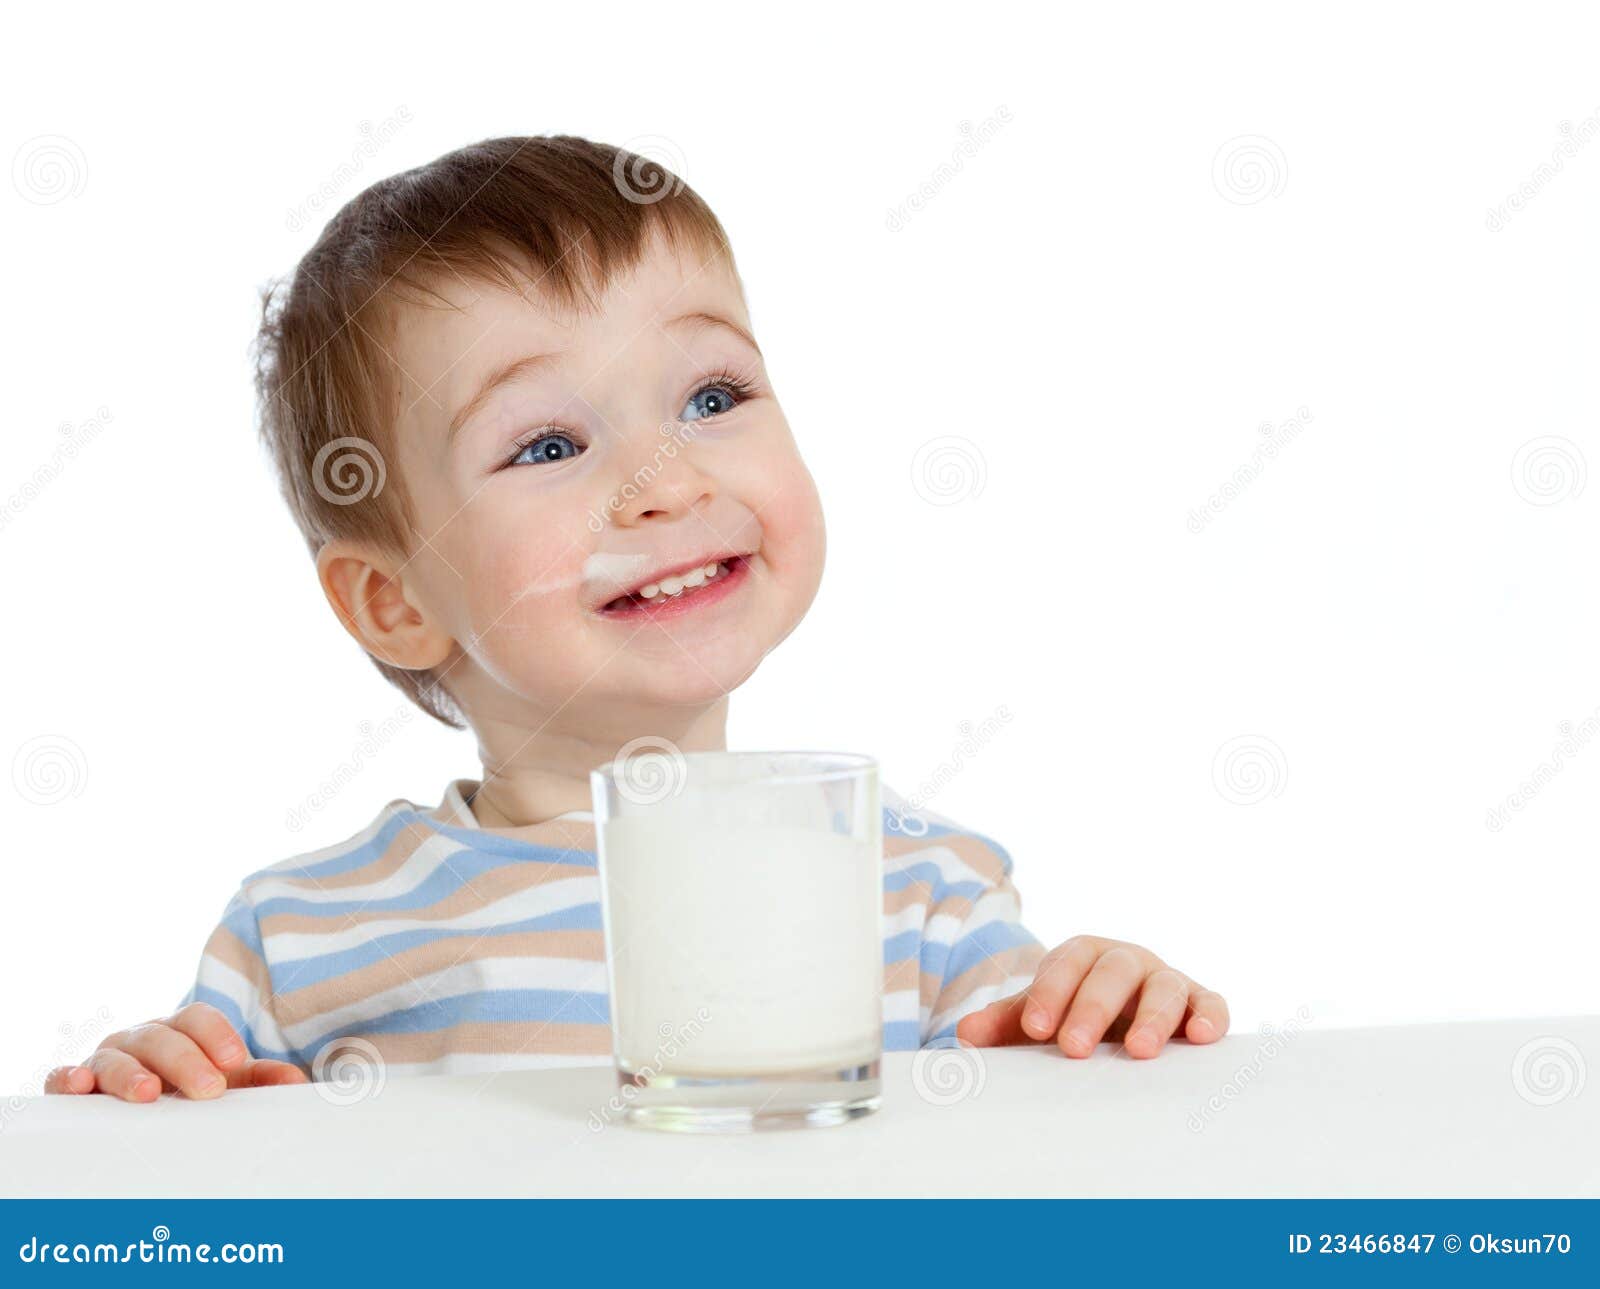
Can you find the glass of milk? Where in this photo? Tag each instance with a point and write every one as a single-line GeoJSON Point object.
{"type": "Point", "coordinates": [742, 894]}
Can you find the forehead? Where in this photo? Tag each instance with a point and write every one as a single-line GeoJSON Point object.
{"type": "Point", "coordinates": [443, 350]}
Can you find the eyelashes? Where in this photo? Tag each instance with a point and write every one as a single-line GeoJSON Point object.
{"type": "Point", "coordinates": [742, 386]}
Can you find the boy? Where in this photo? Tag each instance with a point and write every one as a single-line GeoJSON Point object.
{"type": "Point", "coordinates": [519, 414]}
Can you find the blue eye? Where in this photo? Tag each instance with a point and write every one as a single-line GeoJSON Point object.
{"type": "Point", "coordinates": [546, 450]}
{"type": "Point", "coordinates": [713, 400]}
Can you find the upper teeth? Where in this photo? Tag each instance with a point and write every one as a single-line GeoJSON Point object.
{"type": "Point", "coordinates": [682, 582]}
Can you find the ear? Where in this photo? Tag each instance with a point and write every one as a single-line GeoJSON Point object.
{"type": "Point", "coordinates": [367, 590]}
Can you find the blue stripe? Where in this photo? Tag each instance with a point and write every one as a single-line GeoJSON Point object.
{"type": "Point", "coordinates": [439, 885]}
{"type": "Point", "coordinates": [983, 943]}
{"type": "Point", "coordinates": [501, 1006]}
{"type": "Point", "coordinates": [928, 871]}
{"type": "Point", "coordinates": [902, 1036]}
{"type": "Point", "coordinates": [898, 948]}
{"type": "Point", "coordinates": [298, 973]}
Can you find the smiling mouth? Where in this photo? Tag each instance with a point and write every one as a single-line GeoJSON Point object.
{"type": "Point", "coordinates": [698, 585]}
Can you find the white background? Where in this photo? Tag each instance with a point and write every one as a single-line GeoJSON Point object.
{"type": "Point", "coordinates": [1101, 307]}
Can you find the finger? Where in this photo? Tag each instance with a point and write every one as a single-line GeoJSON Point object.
{"type": "Point", "coordinates": [212, 1034]}
{"type": "Point", "coordinates": [997, 1025]}
{"type": "Point", "coordinates": [267, 1074]}
{"type": "Point", "coordinates": [1108, 987]}
{"type": "Point", "coordinates": [73, 1079]}
{"type": "Point", "coordinates": [1208, 1017]}
{"type": "Point", "coordinates": [1162, 1003]}
{"type": "Point", "coordinates": [119, 1075]}
{"type": "Point", "coordinates": [1060, 973]}
{"type": "Point", "coordinates": [177, 1059]}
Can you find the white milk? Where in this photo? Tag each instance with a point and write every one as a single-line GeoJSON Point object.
{"type": "Point", "coordinates": [741, 949]}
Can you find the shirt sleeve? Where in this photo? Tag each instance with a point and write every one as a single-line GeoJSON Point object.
{"type": "Point", "coordinates": [976, 938]}
{"type": "Point", "coordinates": [233, 977]}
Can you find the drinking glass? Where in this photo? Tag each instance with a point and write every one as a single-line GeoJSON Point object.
{"type": "Point", "coordinates": [742, 896]}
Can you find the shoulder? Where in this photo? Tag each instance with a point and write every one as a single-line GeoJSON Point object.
{"type": "Point", "coordinates": [913, 834]}
{"type": "Point", "coordinates": [399, 829]}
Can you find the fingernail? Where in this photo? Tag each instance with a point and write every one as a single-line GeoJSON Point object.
{"type": "Point", "coordinates": [143, 1083]}
{"type": "Point", "coordinates": [210, 1085]}
{"type": "Point", "coordinates": [1204, 1028]}
{"type": "Point", "coordinates": [1037, 1021]}
{"type": "Point", "coordinates": [1081, 1039]}
{"type": "Point", "coordinates": [229, 1052]}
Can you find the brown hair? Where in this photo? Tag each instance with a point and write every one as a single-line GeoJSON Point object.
{"type": "Point", "coordinates": [564, 213]}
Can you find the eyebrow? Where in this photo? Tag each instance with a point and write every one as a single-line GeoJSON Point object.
{"type": "Point", "coordinates": [503, 375]}
{"type": "Point", "coordinates": [702, 320]}
{"type": "Point", "coordinates": [520, 367]}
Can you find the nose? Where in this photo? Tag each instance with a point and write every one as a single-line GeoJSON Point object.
{"type": "Point", "coordinates": [662, 488]}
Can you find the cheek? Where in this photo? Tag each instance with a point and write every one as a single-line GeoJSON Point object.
{"type": "Point", "coordinates": [791, 522]}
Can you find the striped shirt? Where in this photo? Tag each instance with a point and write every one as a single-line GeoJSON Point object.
{"type": "Point", "coordinates": [438, 946]}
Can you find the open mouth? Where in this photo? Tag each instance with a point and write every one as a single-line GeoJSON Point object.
{"type": "Point", "coordinates": [698, 586]}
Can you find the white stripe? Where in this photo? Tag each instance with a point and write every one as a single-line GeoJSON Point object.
{"type": "Point", "coordinates": [550, 897]}
{"type": "Point", "coordinates": [575, 975]}
{"type": "Point", "coordinates": [978, 999]}
{"type": "Point", "coordinates": [423, 862]}
{"type": "Point", "coordinates": [218, 975]}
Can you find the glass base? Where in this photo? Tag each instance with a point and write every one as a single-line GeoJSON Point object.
{"type": "Point", "coordinates": [750, 1102]}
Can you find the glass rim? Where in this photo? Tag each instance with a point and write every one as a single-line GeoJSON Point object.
{"type": "Point", "coordinates": [830, 765]}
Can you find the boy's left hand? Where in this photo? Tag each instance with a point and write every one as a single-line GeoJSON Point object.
{"type": "Point", "coordinates": [1092, 988]}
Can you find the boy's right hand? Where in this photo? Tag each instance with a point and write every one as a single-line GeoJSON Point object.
{"type": "Point", "coordinates": [194, 1051]}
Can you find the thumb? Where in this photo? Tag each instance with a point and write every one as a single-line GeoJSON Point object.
{"type": "Point", "coordinates": [997, 1025]}
{"type": "Point", "coordinates": [262, 1073]}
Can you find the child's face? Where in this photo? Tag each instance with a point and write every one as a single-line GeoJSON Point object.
{"type": "Point", "coordinates": [647, 442]}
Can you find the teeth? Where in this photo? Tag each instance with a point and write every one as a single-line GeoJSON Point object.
{"type": "Point", "coordinates": [683, 582]}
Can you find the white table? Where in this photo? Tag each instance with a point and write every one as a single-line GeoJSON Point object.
{"type": "Point", "coordinates": [1431, 1110]}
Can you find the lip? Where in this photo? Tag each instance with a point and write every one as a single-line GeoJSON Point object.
{"type": "Point", "coordinates": [672, 606]}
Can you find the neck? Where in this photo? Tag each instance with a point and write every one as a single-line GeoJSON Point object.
{"type": "Point", "coordinates": [530, 776]}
